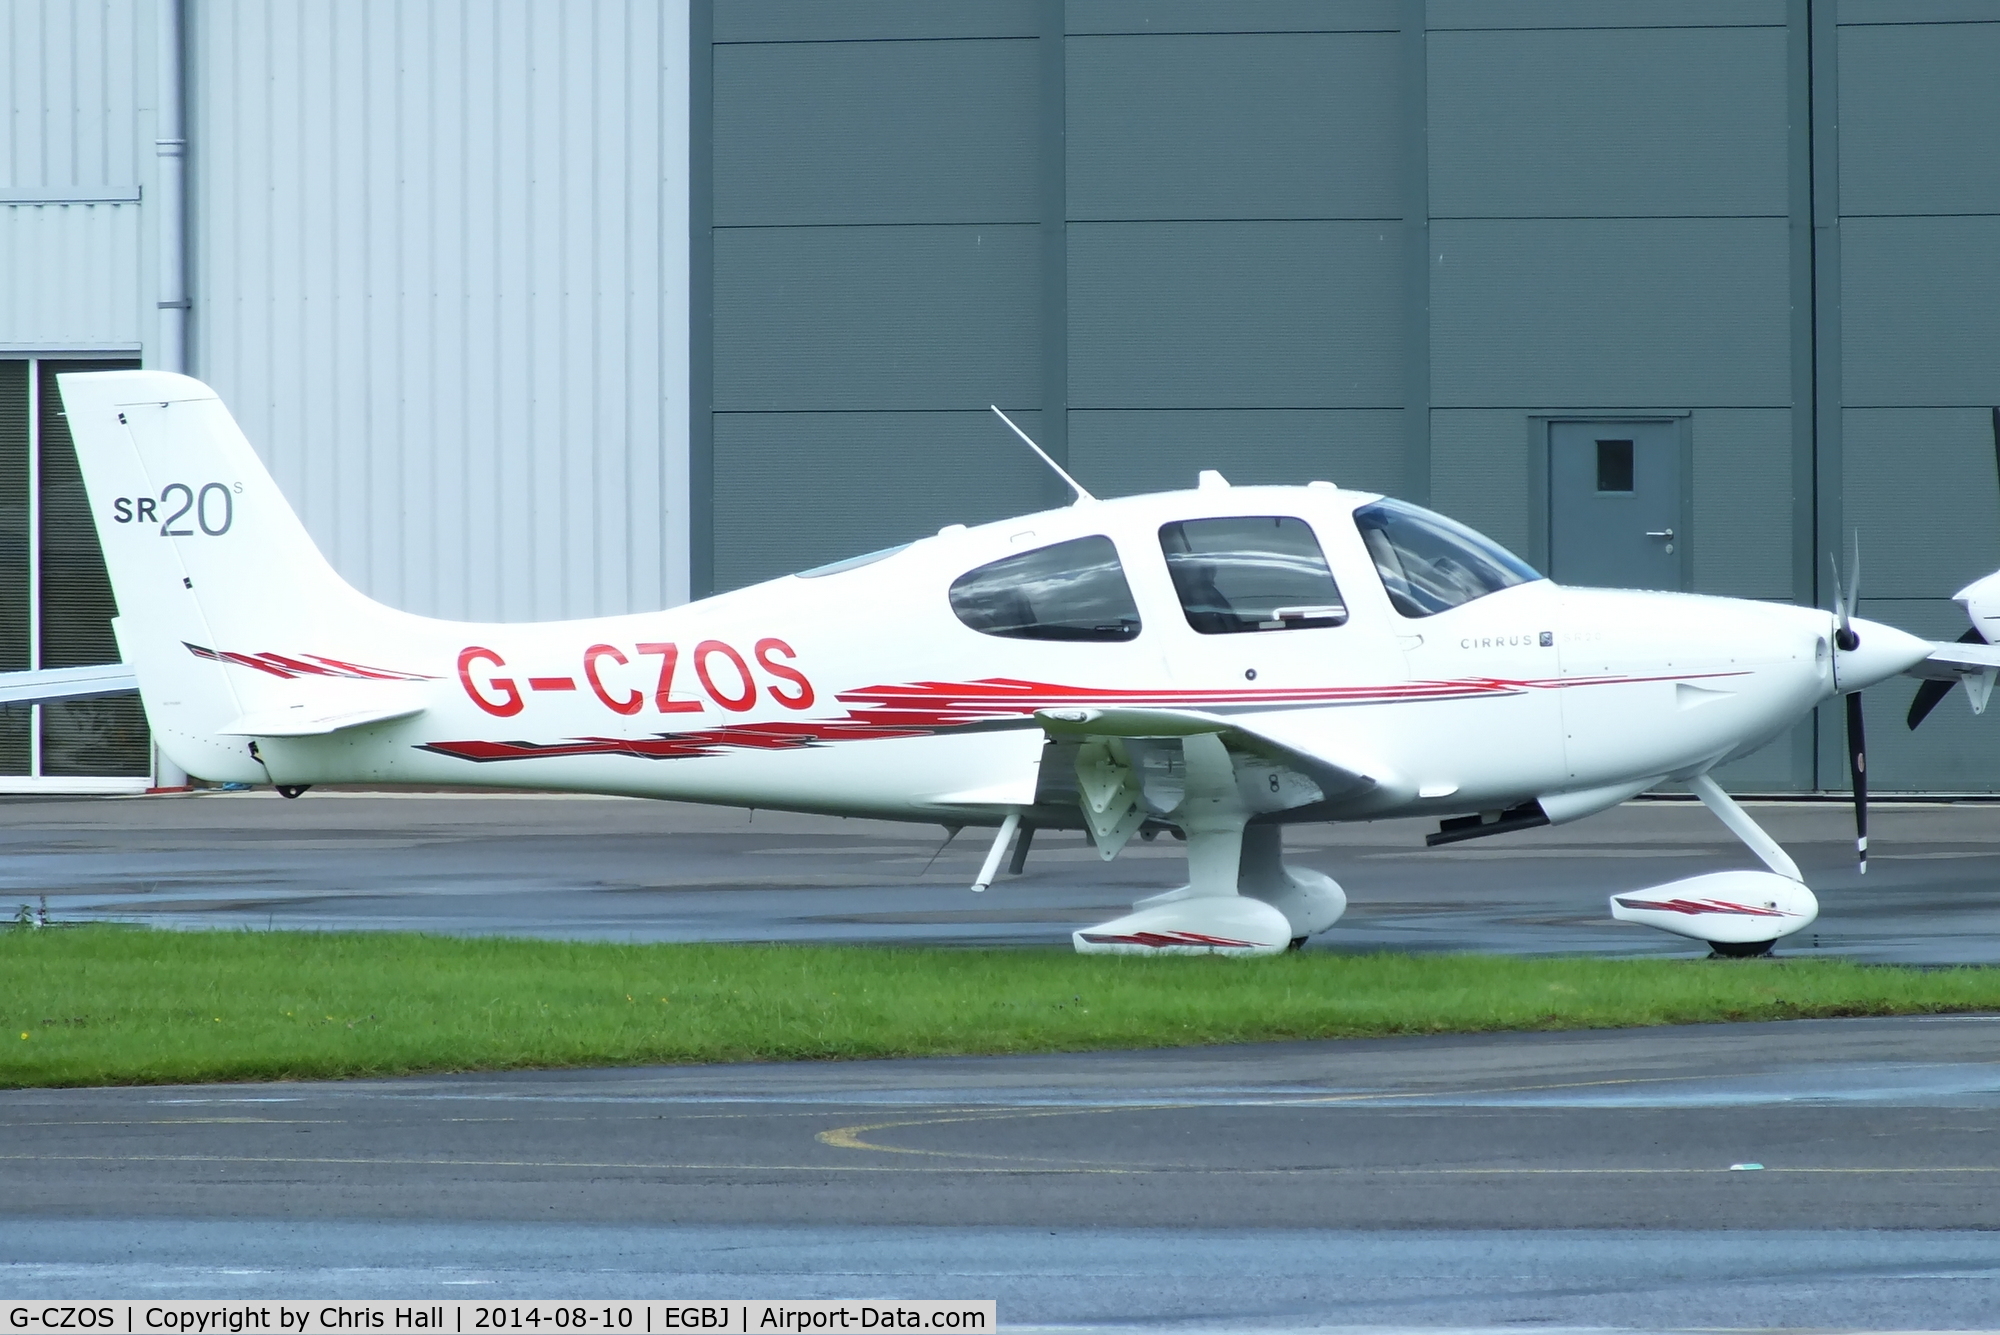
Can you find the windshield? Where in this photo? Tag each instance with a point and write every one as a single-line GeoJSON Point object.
{"type": "Point", "coordinates": [1429, 563]}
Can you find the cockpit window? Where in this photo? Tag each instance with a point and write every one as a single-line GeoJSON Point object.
{"type": "Point", "coordinates": [1430, 563]}
{"type": "Point", "coordinates": [1259, 573]}
{"type": "Point", "coordinates": [1072, 591]}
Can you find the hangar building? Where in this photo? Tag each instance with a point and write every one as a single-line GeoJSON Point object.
{"type": "Point", "coordinates": [567, 307]}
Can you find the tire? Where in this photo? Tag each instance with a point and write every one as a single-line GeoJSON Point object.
{"type": "Point", "coordinates": [1740, 950]}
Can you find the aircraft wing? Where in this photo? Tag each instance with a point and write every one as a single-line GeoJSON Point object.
{"type": "Point", "coordinates": [51, 684]}
{"type": "Point", "coordinates": [1956, 661]}
{"type": "Point", "coordinates": [1336, 781]}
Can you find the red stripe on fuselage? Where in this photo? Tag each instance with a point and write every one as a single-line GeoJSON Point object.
{"type": "Point", "coordinates": [927, 708]}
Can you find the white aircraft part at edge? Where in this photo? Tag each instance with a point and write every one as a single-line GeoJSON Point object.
{"type": "Point", "coordinates": [48, 685]}
{"type": "Point", "coordinates": [1217, 662]}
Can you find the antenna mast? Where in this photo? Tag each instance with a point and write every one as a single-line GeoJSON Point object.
{"type": "Point", "coordinates": [1043, 455]}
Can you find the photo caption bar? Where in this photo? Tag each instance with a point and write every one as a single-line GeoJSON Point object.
{"type": "Point", "coordinates": [718, 1317]}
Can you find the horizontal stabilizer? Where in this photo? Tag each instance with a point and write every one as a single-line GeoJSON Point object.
{"type": "Point", "coordinates": [51, 684]}
{"type": "Point", "coordinates": [329, 711]}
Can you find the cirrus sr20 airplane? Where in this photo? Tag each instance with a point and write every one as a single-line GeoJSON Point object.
{"type": "Point", "coordinates": [1220, 662]}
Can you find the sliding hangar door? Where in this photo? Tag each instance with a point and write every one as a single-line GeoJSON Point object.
{"type": "Point", "coordinates": [1746, 250]}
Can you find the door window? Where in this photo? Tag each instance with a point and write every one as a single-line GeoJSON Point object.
{"type": "Point", "coordinates": [1429, 563]}
{"type": "Point", "coordinates": [1250, 574]}
{"type": "Point", "coordinates": [1073, 590]}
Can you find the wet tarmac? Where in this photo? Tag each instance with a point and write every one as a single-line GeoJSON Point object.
{"type": "Point", "coordinates": [620, 869]}
{"type": "Point", "coordinates": [1834, 1174]}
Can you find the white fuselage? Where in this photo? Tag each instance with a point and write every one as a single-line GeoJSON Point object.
{"type": "Point", "coordinates": [860, 692]}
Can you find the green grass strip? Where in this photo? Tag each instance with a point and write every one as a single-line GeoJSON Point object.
{"type": "Point", "coordinates": [104, 1005]}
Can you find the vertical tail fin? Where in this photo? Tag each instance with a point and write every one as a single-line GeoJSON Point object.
{"type": "Point", "coordinates": [209, 564]}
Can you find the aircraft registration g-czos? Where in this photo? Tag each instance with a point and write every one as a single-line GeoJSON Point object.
{"type": "Point", "coordinates": [1218, 662]}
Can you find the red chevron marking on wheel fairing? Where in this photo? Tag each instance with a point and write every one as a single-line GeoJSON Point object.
{"type": "Point", "coordinates": [1694, 906]}
{"type": "Point", "coordinates": [926, 708]}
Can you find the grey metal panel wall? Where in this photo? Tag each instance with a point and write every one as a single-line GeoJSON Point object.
{"type": "Point", "coordinates": [1920, 490]}
{"type": "Point", "coordinates": [440, 278]}
{"type": "Point", "coordinates": [877, 275]}
{"type": "Point", "coordinates": [802, 489]}
{"type": "Point", "coordinates": [1608, 122]}
{"type": "Point", "coordinates": [1610, 311]}
{"type": "Point", "coordinates": [1919, 348]}
{"type": "Point", "coordinates": [1235, 252]}
{"type": "Point", "coordinates": [1124, 453]}
{"type": "Point", "coordinates": [1183, 16]}
{"type": "Point", "coordinates": [865, 20]}
{"type": "Point", "coordinates": [1918, 11]}
{"type": "Point", "coordinates": [1920, 312]}
{"type": "Point", "coordinates": [76, 117]}
{"type": "Point", "coordinates": [1743, 502]}
{"type": "Point", "coordinates": [1235, 315]}
{"type": "Point", "coordinates": [875, 132]}
{"type": "Point", "coordinates": [1479, 471]}
{"type": "Point", "coordinates": [874, 317]}
{"type": "Point", "coordinates": [1446, 14]}
{"type": "Point", "coordinates": [1238, 126]}
{"type": "Point", "coordinates": [1920, 125]}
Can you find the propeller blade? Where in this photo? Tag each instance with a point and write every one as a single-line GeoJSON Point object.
{"type": "Point", "coordinates": [1852, 599]}
{"type": "Point", "coordinates": [1857, 769]}
{"type": "Point", "coordinates": [1926, 699]}
{"type": "Point", "coordinates": [1844, 638]}
{"type": "Point", "coordinates": [1930, 692]}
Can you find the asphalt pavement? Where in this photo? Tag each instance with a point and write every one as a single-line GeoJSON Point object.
{"type": "Point", "coordinates": [1813, 1174]}
{"type": "Point", "coordinates": [1828, 1174]}
{"type": "Point", "coordinates": [624, 869]}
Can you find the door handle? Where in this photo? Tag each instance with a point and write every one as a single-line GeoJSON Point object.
{"type": "Point", "coordinates": [1663, 533]}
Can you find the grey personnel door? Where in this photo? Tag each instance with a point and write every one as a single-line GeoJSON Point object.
{"type": "Point", "coordinates": [1615, 512]}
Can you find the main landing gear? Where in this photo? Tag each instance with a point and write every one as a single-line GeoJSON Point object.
{"type": "Point", "coordinates": [1240, 898]}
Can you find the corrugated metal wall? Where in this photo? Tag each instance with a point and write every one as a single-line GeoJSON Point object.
{"type": "Point", "coordinates": [440, 274]}
{"type": "Point", "coordinates": [76, 149]}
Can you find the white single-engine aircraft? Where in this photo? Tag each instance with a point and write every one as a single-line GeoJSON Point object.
{"type": "Point", "coordinates": [1218, 662]}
